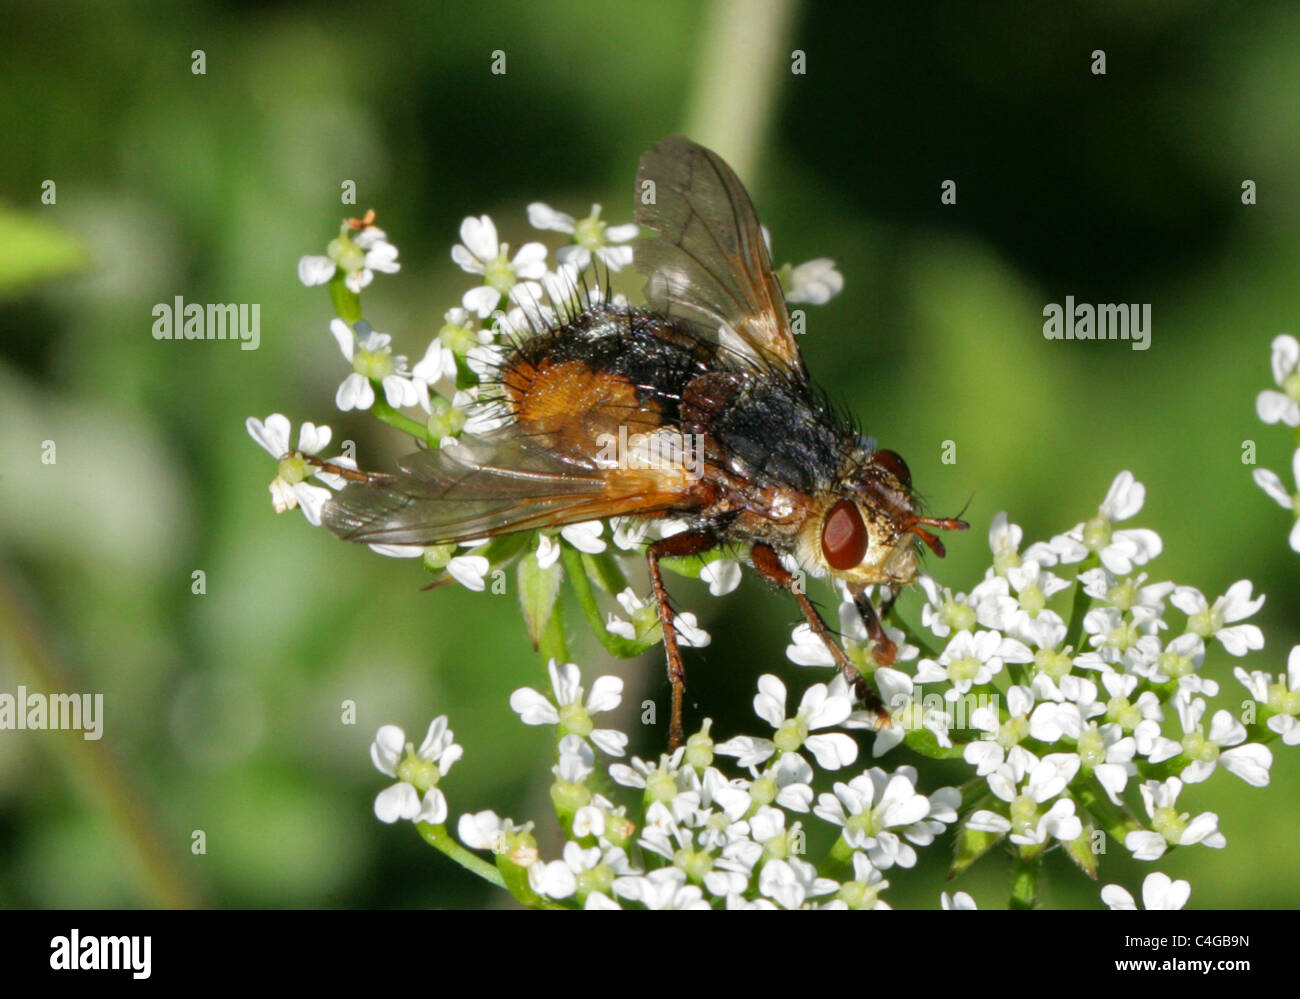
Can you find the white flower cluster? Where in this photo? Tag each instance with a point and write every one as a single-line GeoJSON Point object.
{"type": "Point", "coordinates": [704, 840]}
{"type": "Point", "coordinates": [1065, 740]}
{"type": "Point", "coordinates": [1061, 720]}
{"type": "Point", "coordinates": [1283, 407]}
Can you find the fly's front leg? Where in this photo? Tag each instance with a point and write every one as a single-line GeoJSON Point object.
{"type": "Point", "coordinates": [885, 650]}
{"type": "Point", "coordinates": [677, 546]}
{"type": "Point", "coordinates": [770, 568]}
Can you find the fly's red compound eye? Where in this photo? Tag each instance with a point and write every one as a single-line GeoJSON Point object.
{"type": "Point", "coordinates": [844, 536]}
{"type": "Point", "coordinates": [892, 462]}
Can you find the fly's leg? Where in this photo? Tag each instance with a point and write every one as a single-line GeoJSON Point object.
{"type": "Point", "coordinates": [770, 568]}
{"type": "Point", "coordinates": [885, 650]}
{"type": "Point", "coordinates": [677, 545]}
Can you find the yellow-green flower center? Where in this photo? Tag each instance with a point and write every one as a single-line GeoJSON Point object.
{"type": "Point", "coordinates": [1032, 600]}
{"type": "Point", "coordinates": [1291, 385]}
{"type": "Point", "coordinates": [293, 470]}
{"type": "Point", "coordinates": [1096, 533]}
{"type": "Point", "coordinates": [499, 274]}
{"type": "Point", "coordinates": [1124, 713]}
{"type": "Point", "coordinates": [959, 617]}
{"type": "Point", "coordinates": [791, 735]}
{"type": "Point", "coordinates": [1283, 700]}
{"type": "Point", "coordinates": [375, 365]}
{"type": "Point", "coordinates": [590, 232]}
{"type": "Point", "coordinates": [1092, 748]}
{"type": "Point", "coordinates": [1199, 748]}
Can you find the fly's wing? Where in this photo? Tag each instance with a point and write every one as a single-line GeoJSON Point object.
{"type": "Point", "coordinates": [709, 266]}
{"type": "Point", "coordinates": [490, 486]}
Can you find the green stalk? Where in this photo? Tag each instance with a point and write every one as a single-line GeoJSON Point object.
{"type": "Point", "coordinates": [395, 419]}
{"type": "Point", "coordinates": [1024, 882]}
{"type": "Point", "coordinates": [440, 839]}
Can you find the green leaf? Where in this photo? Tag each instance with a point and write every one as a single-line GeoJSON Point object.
{"type": "Point", "coordinates": [1080, 851]}
{"type": "Point", "coordinates": [347, 303]}
{"type": "Point", "coordinates": [923, 741]}
{"type": "Point", "coordinates": [615, 645]}
{"type": "Point", "coordinates": [689, 566]}
{"type": "Point", "coordinates": [538, 589]}
{"type": "Point", "coordinates": [35, 249]}
{"type": "Point", "coordinates": [605, 571]}
{"type": "Point", "coordinates": [971, 845]}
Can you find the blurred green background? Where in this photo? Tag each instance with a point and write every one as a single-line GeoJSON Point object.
{"type": "Point", "coordinates": [223, 710]}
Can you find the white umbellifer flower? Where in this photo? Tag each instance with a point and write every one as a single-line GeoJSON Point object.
{"type": "Point", "coordinates": [1025, 614]}
{"type": "Point", "coordinates": [394, 756]}
{"type": "Point", "coordinates": [943, 612]}
{"type": "Point", "coordinates": [1044, 780]}
{"type": "Point", "coordinates": [586, 536]}
{"type": "Point", "coordinates": [1004, 543]}
{"type": "Point", "coordinates": [568, 710]}
{"type": "Point", "coordinates": [1281, 697]}
{"type": "Point", "coordinates": [907, 711]}
{"type": "Point", "coordinates": [642, 617]}
{"type": "Point", "coordinates": [591, 235]}
{"type": "Point", "coordinates": [1158, 892]}
{"type": "Point", "coordinates": [1271, 484]}
{"type": "Point", "coordinates": [548, 551]}
{"type": "Point", "coordinates": [791, 882]}
{"type": "Point", "coordinates": [487, 831]}
{"type": "Point", "coordinates": [479, 252]}
{"type": "Point", "coordinates": [1108, 753]}
{"type": "Point", "coordinates": [1284, 406]}
{"type": "Point", "coordinates": [581, 872]}
{"type": "Point", "coordinates": [814, 282]}
{"type": "Point", "coordinates": [359, 256]}
{"type": "Point", "coordinates": [863, 892]}
{"type": "Point", "coordinates": [958, 900]}
{"type": "Point", "coordinates": [989, 753]}
{"type": "Point", "coordinates": [662, 781]}
{"type": "Point", "coordinates": [1120, 550]}
{"type": "Point", "coordinates": [438, 364]}
{"type": "Point", "coordinates": [1249, 762]}
{"type": "Point", "coordinates": [787, 782]}
{"type": "Point", "coordinates": [722, 575]}
{"type": "Point", "coordinates": [629, 532]}
{"type": "Point", "coordinates": [823, 705]}
{"type": "Point", "coordinates": [290, 487]}
{"type": "Point", "coordinates": [808, 649]}
{"type": "Point", "coordinates": [1145, 603]}
{"type": "Point", "coordinates": [470, 571]}
{"type": "Point", "coordinates": [1213, 621]}
{"type": "Point", "coordinates": [372, 360]}
{"type": "Point", "coordinates": [971, 660]}
{"type": "Point", "coordinates": [665, 888]}
{"type": "Point", "coordinates": [1169, 826]}
{"type": "Point", "coordinates": [875, 804]}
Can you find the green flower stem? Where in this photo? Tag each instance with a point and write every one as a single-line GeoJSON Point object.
{"type": "Point", "coordinates": [395, 419]}
{"type": "Point", "coordinates": [576, 573]}
{"type": "Point", "coordinates": [554, 643]}
{"type": "Point", "coordinates": [347, 303]}
{"type": "Point", "coordinates": [440, 839]}
{"type": "Point", "coordinates": [840, 857]}
{"type": "Point", "coordinates": [1024, 882]}
{"type": "Point", "coordinates": [1081, 604]}
{"type": "Point", "coordinates": [1117, 821]}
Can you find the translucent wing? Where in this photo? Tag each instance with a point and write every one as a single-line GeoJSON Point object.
{"type": "Point", "coordinates": [491, 486]}
{"type": "Point", "coordinates": [709, 266]}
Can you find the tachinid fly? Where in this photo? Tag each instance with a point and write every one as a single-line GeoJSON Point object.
{"type": "Point", "coordinates": [746, 450]}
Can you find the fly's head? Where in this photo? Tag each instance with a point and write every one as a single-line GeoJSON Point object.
{"type": "Point", "coordinates": [866, 530]}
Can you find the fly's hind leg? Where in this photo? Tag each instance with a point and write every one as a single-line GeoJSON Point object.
{"type": "Point", "coordinates": [677, 545]}
{"type": "Point", "coordinates": [770, 568]}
